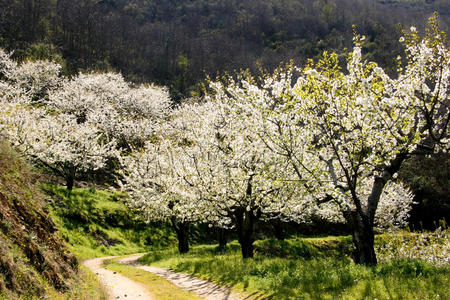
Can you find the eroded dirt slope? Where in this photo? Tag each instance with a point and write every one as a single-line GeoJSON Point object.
{"type": "Point", "coordinates": [31, 254]}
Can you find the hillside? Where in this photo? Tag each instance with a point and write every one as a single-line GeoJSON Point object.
{"type": "Point", "coordinates": [174, 43]}
{"type": "Point", "coordinates": [96, 222]}
{"type": "Point", "coordinates": [34, 261]}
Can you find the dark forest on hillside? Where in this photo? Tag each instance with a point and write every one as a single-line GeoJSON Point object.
{"type": "Point", "coordinates": [177, 42]}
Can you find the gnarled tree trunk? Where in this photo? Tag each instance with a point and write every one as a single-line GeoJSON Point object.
{"type": "Point", "coordinates": [70, 181]}
{"type": "Point", "coordinates": [182, 230]}
{"type": "Point", "coordinates": [363, 239]}
{"type": "Point", "coordinates": [223, 239]}
{"type": "Point", "coordinates": [245, 226]}
{"type": "Point", "coordinates": [278, 227]}
{"type": "Point", "coordinates": [362, 220]}
{"type": "Point", "coordinates": [69, 175]}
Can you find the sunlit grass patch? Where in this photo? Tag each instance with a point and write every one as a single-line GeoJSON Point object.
{"type": "Point", "coordinates": [323, 273]}
{"type": "Point", "coordinates": [97, 223]}
{"type": "Point", "coordinates": [433, 247]}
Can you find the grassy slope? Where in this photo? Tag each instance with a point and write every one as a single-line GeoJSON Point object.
{"type": "Point", "coordinates": [34, 262]}
{"type": "Point", "coordinates": [97, 223]}
{"type": "Point", "coordinates": [310, 269]}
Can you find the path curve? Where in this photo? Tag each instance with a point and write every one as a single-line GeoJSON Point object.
{"type": "Point", "coordinates": [197, 286]}
{"type": "Point", "coordinates": [117, 286]}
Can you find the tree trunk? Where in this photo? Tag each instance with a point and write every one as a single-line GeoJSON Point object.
{"type": "Point", "coordinates": [247, 248]}
{"type": "Point", "coordinates": [223, 239]}
{"type": "Point", "coordinates": [245, 226]}
{"type": "Point", "coordinates": [183, 240]}
{"type": "Point", "coordinates": [70, 181]}
{"type": "Point", "coordinates": [363, 240]}
{"type": "Point", "coordinates": [69, 173]}
{"type": "Point", "coordinates": [361, 220]}
{"type": "Point", "coordinates": [182, 230]}
{"type": "Point", "coordinates": [279, 229]}
{"type": "Point", "coordinates": [246, 219]}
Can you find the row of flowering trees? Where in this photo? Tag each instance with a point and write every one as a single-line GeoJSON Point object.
{"type": "Point", "coordinates": [302, 142]}
{"type": "Point", "coordinates": [318, 141]}
{"type": "Point", "coordinates": [74, 125]}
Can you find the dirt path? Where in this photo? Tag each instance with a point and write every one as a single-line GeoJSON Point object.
{"type": "Point", "coordinates": [197, 286]}
{"type": "Point", "coordinates": [116, 285]}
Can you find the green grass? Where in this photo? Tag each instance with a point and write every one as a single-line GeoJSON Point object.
{"type": "Point", "coordinates": [323, 273]}
{"type": "Point", "coordinates": [158, 287]}
{"type": "Point", "coordinates": [97, 223]}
